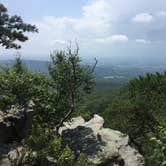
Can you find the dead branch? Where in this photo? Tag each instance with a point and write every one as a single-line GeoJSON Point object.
{"type": "Point", "coordinates": [94, 66]}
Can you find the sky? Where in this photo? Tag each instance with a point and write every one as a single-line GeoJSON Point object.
{"type": "Point", "coordinates": [119, 30]}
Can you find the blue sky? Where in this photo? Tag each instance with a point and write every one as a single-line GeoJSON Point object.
{"type": "Point", "coordinates": [36, 9]}
{"type": "Point", "coordinates": [112, 29]}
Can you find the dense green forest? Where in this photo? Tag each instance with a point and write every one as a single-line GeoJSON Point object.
{"type": "Point", "coordinates": [137, 109]}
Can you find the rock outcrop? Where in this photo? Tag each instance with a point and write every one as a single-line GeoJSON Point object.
{"type": "Point", "coordinates": [14, 123]}
{"type": "Point", "coordinates": [103, 146]}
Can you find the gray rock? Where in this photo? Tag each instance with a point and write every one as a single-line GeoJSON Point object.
{"type": "Point", "coordinates": [103, 146]}
{"type": "Point", "coordinates": [14, 123]}
{"type": "Point", "coordinates": [10, 154]}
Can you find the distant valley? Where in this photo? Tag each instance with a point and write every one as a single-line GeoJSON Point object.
{"type": "Point", "coordinates": [107, 76]}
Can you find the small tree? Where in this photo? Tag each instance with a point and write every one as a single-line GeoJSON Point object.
{"type": "Point", "coordinates": [12, 29]}
{"type": "Point", "coordinates": [18, 66]}
{"type": "Point", "coordinates": [71, 80]}
{"type": "Point", "coordinates": [18, 85]}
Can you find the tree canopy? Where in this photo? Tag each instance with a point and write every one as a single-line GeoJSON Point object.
{"type": "Point", "coordinates": [12, 29]}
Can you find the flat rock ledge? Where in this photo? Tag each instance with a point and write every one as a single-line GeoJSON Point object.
{"type": "Point", "coordinates": [103, 146]}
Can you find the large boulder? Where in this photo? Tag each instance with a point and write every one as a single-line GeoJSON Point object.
{"type": "Point", "coordinates": [103, 146]}
{"type": "Point", "coordinates": [14, 123]}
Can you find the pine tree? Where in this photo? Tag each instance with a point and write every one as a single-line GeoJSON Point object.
{"type": "Point", "coordinates": [12, 29]}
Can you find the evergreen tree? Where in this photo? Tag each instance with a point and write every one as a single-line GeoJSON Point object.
{"type": "Point", "coordinates": [71, 80]}
{"type": "Point", "coordinates": [12, 29]}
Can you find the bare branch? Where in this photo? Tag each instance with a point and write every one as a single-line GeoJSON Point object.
{"type": "Point", "coordinates": [64, 119]}
{"type": "Point", "coordinates": [77, 47]}
{"type": "Point", "coordinates": [94, 66]}
{"type": "Point", "coordinates": [69, 49]}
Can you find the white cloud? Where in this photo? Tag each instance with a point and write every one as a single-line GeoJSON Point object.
{"type": "Point", "coordinates": [96, 21]}
{"type": "Point", "coordinates": [59, 42]}
{"type": "Point", "coordinates": [102, 21]}
{"type": "Point", "coordinates": [161, 14]}
{"type": "Point", "coordinates": [54, 32]}
{"type": "Point", "coordinates": [143, 18]}
{"type": "Point", "coordinates": [142, 41]}
{"type": "Point", "coordinates": [113, 39]}
{"type": "Point", "coordinates": [96, 17]}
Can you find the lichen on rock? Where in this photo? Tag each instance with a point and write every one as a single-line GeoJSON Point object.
{"type": "Point", "coordinates": [102, 146]}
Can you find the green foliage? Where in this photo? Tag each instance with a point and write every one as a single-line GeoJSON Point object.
{"type": "Point", "coordinates": [39, 144]}
{"type": "Point", "coordinates": [158, 146]}
{"type": "Point", "coordinates": [70, 81]}
{"type": "Point", "coordinates": [64, 89]}
{"type": "Point", "coordinates": [95, 103]}
{"type": "Point", "coordinates": [149, 93]}
{"type": "Point", "coordinates": [12, 29]}
{"type": "Point", "coordinates": [82, 161]}
{"type": "Point", "coordinates": [55, 97]}
{"type": "Point", "coordinates": [118, 114]}
{"type": "Point", "coordinates": [18, 66]}
{"type": "Point", "coordinates": [44, 148]}
{"type": "Point", "coordinates": [139, 110]}
{"type": "Point", "coordinates": [66, 158]}
{"type": "Point", "coordinates": [19, 86]}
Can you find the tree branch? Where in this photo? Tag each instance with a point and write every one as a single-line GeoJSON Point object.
{"type": "Point", "coordinates": [94, 66]}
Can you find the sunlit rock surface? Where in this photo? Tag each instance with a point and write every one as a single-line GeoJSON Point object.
{"type": "Point", "coordinates": [14, 123]}
{"type": "Point", "coordinates": [103, 146]}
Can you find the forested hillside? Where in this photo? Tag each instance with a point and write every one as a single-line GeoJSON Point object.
{"type": "Point", "coordinates": [107, 76]}
{"type": "Point", "coordinates": [137, 109]}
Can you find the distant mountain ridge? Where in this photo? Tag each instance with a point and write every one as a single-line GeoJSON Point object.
{"type": "Point", "coordinates": [33, 65]}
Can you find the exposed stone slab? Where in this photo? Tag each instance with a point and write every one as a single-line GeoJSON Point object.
{"type": "Point", "coordinates": [102, 145]}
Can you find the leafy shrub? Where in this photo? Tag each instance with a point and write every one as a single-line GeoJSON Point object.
{"type": "Point", "coordinates": [19, 86]}
{"type": "Point", "coordinates": [138, 109]}
{"type": "Point", "coordinates": [44, 148]}
{"type": "Point", "coordinates": [56, 97]}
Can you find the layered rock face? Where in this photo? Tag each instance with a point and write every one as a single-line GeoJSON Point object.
{"type": "Point", "coordinates": [103, 146]}
{"type": "Point", "coordinates": [14, 123]}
